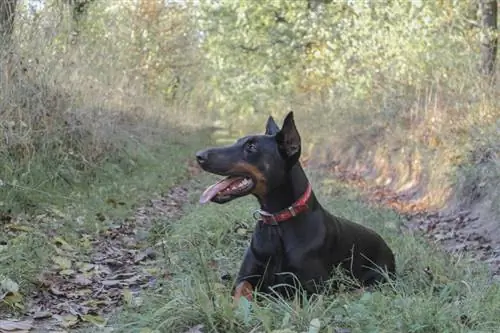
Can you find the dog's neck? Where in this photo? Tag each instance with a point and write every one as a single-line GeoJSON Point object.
{"type": "Point", "coordinates": [289, 192]}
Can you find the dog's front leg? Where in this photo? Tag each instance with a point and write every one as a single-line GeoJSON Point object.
{"type": "Point", "coordinates": [251, 275]}
{"type": "Point", "coordinates": [243, 289]}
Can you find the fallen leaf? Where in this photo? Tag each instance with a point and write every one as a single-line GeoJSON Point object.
{"type": "Point", "coordinates": [128, 297]}
{"type": "Point", "coordinates": [241, 231]}
{"type": "Point", "coordinates": [60, 242]}
{"type": "Point", "coordinates": [81, 292]}
{"type": "Point", "coordinates": [195, 329]}
{"type": "Point", "coordinates": [147, 330]}
{"type": "Point", "coordinates": [343, 330]}
{"type": "Point", "coordinates": [57, 213]}
{"type": "Point", "coordinates": [63, 262]}
{"type": "Point", "coordinates": [149, 253]}
{"type": "Point", "coordinates": [86, 267]}
{"type": "Point", "coordinates": [13, 299]}
{"type": "Point", "coordinates": [314, 326]}
{"type": "Point", "coordinates": [18, 227]}
{"type": "Point", "coordinates": [82, 280]}
{"type": "Point", "coordinates": [213, 264]}
{"type": "Point", "coordinates": [132, 280]}
{"type": "Point", "coordinates": [7, 285]}
{"type": "Point", "coordinates": [15, 326]}
{"type": "Point", "coordinates": [67, 321]}
{"type": "Point", "coordinates": [110, 283]}
{"type": "Point", "coordinates": [42, 315]}
{"type": "Point", "coordinates": [67, 272]}
{"type": "Point", "coordinates": [94, 319]}
{"type": "Point", "coordinates": [54, 290]}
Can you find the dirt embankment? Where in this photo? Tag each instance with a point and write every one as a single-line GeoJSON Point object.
{"type": "Point", "coordinates": [461, 212]}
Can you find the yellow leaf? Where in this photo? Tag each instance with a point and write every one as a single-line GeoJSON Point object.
{"type": "Point", "coordinates": [18, 227]}
{"type": "Point", "coordinates": [64, 263]}
{"type": "Point", "coordinates": [128, 298]}
{"type": "Point", "coordinates": [68, 321]}
{"type": "Point", "coordinates": [57, 213]}
{"type": "Point", "coordinates": [67, 272]}
{"type": "Point", "coordinates": [13, 299]}
{"type": "Point", "coordinates": [60, 242]}
{"type": "Point", "coordinates": [152, 270]}
{"type": "Point", "coordinates": [94, 319]}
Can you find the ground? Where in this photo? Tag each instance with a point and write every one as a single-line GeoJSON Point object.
{"type": "Point", "coordinates": [151, 259]}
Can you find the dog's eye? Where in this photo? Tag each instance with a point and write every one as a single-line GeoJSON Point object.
{"type": "Point", "coordinates": [251, 147]}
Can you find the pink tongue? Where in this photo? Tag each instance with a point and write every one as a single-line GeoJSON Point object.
{"type": "Point", "coordinates": [212, 191]}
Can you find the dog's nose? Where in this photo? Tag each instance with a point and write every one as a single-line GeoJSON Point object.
{"type": "Point", "coordinates": [202, 157]}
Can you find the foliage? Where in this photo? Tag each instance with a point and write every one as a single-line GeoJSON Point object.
{"type": "Point", "coordinates": [264, 49]}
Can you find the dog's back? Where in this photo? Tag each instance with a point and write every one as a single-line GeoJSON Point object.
{"type": "Point", "coordinates": [361, 251]}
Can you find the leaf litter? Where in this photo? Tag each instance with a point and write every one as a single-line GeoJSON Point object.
{"type": "Point", "coordinates": [77, 290]}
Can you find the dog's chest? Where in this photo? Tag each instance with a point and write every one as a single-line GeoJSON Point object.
{"type": "Point", "coordinates": [290, 247]}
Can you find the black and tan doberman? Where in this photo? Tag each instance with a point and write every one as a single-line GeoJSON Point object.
{"type": "Point", "coordinates": [295, 238]}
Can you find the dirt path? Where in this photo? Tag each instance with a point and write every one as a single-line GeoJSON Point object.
{"type": "Point", "coordinates": [84, 289]}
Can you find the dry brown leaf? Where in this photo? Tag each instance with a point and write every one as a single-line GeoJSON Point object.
{"type": "Point", "coordinates": [111, 283]}
{"type": "Point", "coordinates": [42, 315]}
{"type": "Point", "coordinates": [86, 267]}
{"type": "Point", "coordinates": [15, 326]}
{"type": "Point", "coordinates": [149, 253]}
{"type": "Point", "coordinates": [67, 321]}
{"type": "Point", "coordinates": [132, 280]}
{"type": "Point", "coordinates": [82, 280]}
{"type": "Point", "coordinates": [54, 290]}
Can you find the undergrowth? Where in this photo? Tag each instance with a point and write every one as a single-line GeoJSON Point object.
{"type": "Point", "coordinates": [432, 293]}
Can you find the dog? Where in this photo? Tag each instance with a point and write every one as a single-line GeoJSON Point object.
{"type": "Point", "coordinates": [295, 238]}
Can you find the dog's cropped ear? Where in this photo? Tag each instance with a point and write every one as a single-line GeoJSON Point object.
{"type": "Point", "coordinates": [271, 126]}
{"type": "Point", "coordinates": [289, 138]}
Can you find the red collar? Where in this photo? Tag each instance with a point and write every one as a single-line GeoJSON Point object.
{"type": "Point", "coordinates": [296, 208]}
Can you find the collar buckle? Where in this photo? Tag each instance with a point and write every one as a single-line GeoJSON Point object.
{"type": "Point", "coordinates": [260, 214]}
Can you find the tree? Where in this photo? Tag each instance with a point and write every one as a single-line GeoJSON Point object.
{"type": "Point", "coordinates": [7, 15]}
{"type": "Point", "coordinates": [489, 37]}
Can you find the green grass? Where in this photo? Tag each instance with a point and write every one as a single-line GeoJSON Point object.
{"type": "Point", "coordinates": [72, 211]}
{"type": "Point", "coordinates": [458, 298]}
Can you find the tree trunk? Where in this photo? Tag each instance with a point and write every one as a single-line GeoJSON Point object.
{"type": "Point", "coordinates": [489, 37]}
{"type": "Point", "coordinates": [7, 15]}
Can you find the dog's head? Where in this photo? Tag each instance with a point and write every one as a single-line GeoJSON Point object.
{"type": "Point", "coordinates": [255, 164]}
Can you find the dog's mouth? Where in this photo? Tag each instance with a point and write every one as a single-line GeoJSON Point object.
{"type": "Point", "coordinates": [227, 189]}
